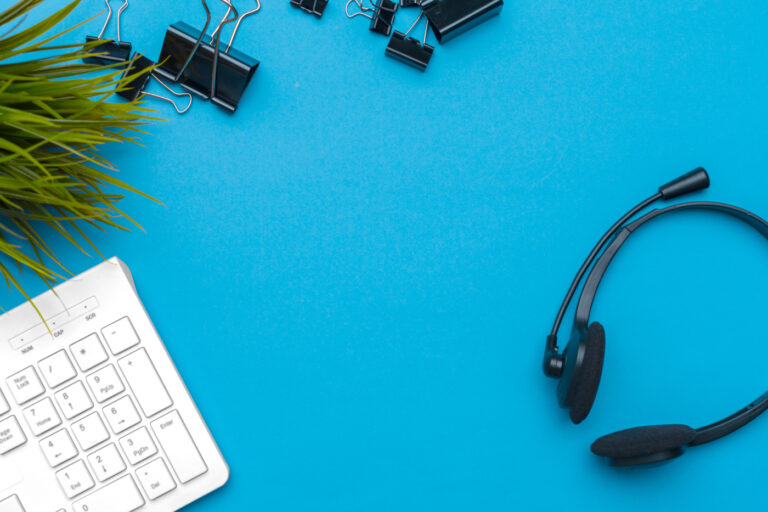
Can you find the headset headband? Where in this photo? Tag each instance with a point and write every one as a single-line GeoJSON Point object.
{"type": "Point", "coordinates": [698, 179]}
{"type": "Point", "coordinates": [579, 367]}
{"type": "Point", "coordinates": [598, 271]}
{"type": "Point", "coordinates": [734, 422]}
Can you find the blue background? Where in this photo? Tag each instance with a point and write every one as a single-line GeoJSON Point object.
{"type": "Point", "coordinates": [356, 272]}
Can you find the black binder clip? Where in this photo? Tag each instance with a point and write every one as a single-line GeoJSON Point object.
{"type": "Point", "coordinates": [382, 14]}
{"type": "Point", "coordinates": [201, 68]}
{"type": "Point", "coordinates": [450, 18]}
{"type": "Point", "coordinates": [111, 52]}
{"type": "Point", "coordinates": [410, 3]}
{"type": "Point", "coordinates": [316, 7]}
{"type": "Point", "coordinates": [139, 74]}
{"type": "Point", "coordinates": [410, 50]}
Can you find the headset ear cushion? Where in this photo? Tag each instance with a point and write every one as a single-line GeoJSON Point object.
{"type": "Point", "coordinates": [644, 444]}
{"type": "Point", "coordinates": [587, 381]}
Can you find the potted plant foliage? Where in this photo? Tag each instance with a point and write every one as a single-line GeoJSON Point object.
{"type": "Point", "coordinates": [54, 119]}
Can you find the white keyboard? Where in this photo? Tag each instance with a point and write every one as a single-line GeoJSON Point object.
{"type": "Point", "coordinates": [95, 417]}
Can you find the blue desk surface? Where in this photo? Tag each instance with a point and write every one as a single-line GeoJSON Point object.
{"type": "Point", "coordinates": [356, 272]}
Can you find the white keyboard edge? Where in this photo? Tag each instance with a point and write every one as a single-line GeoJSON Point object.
{"type": "Point", "coordinates": [24, 470]}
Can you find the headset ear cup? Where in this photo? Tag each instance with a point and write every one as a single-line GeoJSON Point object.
{"type": "Point", "coordinates": [586, 377]}
{"type": "Point", "coordinates": [644, 445]}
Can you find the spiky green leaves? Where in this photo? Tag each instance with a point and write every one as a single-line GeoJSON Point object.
{"type": "Point", "coordinates": [54, 116]}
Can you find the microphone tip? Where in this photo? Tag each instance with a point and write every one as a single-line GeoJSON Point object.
{"type": "Point", "coordinates": [696, 180]}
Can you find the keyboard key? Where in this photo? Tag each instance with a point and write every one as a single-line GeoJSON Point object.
{"type": "Point", "coordinates": [11, 504]}
{"type": "Point", "coordinates": [105, 384]}
{"type": "Point", "coordinates": [122, 495]}
{"type": "Point", "coordinates": [75, 479]}
{"type": "Point", "coordinates": [58, 448]}
{"type": "Point", "coordinates": [74, 400]}
{"type": "Point", "coordinates": [156, 479]}
{"type": "Point", "coordinates": [179, 447]}
{"type": "Point", "coordinates": [88, 352]}
{"type": "Point", "coordinates": [11, 435]}
{"type": "Point", "coordinates": [120, 336]}
{"type": "Point", "coordinates": [25, 385]}
{"type": "Point", "coordinates": [145, 383]}
{"type": "Point", "coordinates": [90, 431]}
{"type": "Point", "coordinates": [138, 446]}
{"type": "Point", "coordinates": [57, 369]}
{"type": "Point", "coordinates": [106, 462]}
{"type": "Point", "coordinates": [4, 407]}
{"type": "Point", "coordinates": [42, 417]}
{"type": "Point", "coordinates": [121, 415]}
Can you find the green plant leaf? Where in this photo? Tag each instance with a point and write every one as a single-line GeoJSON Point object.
{"type": "Point", "coordinates": [54, 119]}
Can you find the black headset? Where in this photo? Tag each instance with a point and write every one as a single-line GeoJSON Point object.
{"type": "Point", "coordinates": [580, 366]}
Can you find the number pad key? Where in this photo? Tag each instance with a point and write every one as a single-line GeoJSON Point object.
{"type": "Point", "coordinates": [57, 369]}
{"type": "Point", "coordinates": [75, 479]}
{"type": "Point", "coordinates": [11, 504]}
{"type": "Point", "coordinates": [122, 495]}
{"type": "Point", "coordinates": [90, 431]}
{"type": "Point", "coordinates": [25, 385]}
{"type": "Point", "coordinates": [4, 407]}
{"type": "Point", "coordinates": [11, 435]}
{"type": "Point", "coordinates": [145, 383]}
{"type": "Point", "coordinates": [74, 400]}
{"type": "Point", "coordinates": [120, 336]}
{"type": "Point", "coordinates": [179, 447]}
{"type": "Point", "coordinates": [42, 417]}
{"type": "Point", "coordinates": [156, 479]}
{"type": "Point", "coordinates": [138, 446]}
{"type": "Point", "coordinates": [88, 352]}
{"type": "Point", "coordinates": [121, 415]}
{"type": "Point", "coordinates": [106, 462]}
{"type": "Point", "coordinates": [58, 448]}
{"type": "Point", "coordinates": [105, 384]}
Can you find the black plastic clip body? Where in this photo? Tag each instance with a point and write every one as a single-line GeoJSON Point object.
{"type": "Point", "coordinates": [316, 7]}
{"type": "Point", "coordinates": [450, 18]}
{"type": "Point", "coordinates": [136, 86]}
{"type": "Point", "coordinates": [113, 52]}
{"type": "Point", "coordinates": [139, 73]}
{"type": "Point", "coordinates": [410, 3]}
{"type": "Point", "coordinates": [383, 17]}
{"type": "Point", "coordinates": [409, 51]}
{"type": "Point", "coordinates": [234, 69]}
